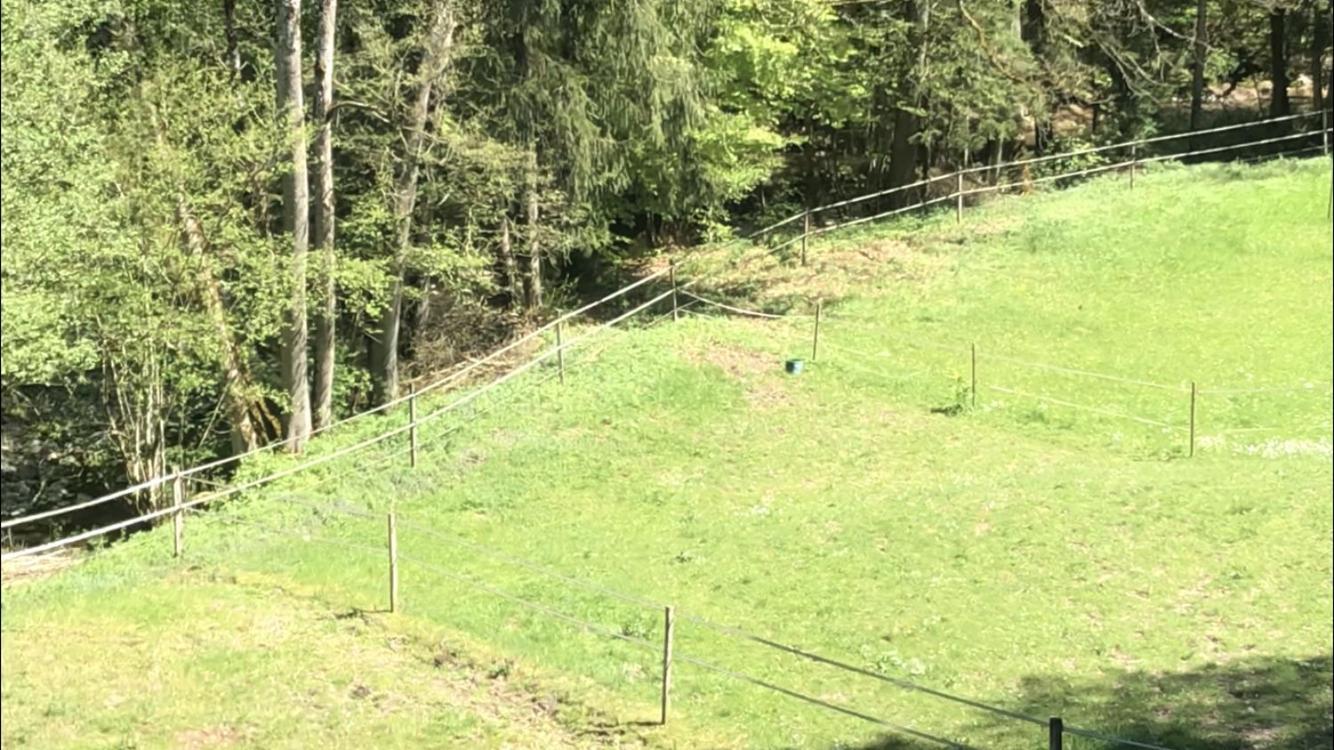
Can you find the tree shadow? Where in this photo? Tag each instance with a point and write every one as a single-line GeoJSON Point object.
{"type": "Point", "coordinates": [1258, 703]}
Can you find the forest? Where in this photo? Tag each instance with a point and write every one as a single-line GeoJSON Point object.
{"type": "Point", "coordinates": [228, 224]}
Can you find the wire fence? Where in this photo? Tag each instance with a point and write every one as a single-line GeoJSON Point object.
{"type": "Point", "coordinates": [540, 337]}
{"type": "Point", "coordinates": [553, 354]}
{"type": "Point", "coordinates": [387, 554]}
{"type": "Point", "coordinates": [970, 183]}
{"type": "Point", "coordinates": [1183, 403]}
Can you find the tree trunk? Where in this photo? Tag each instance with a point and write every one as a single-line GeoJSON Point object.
{"type": "Point", "coordinates": [532, 277]}
{"type": "Point", "coordinates": [237, 384]}
{"type": "Point", "coordinates": [902, 149]}
{"type": "Point", "coordinates": [1319, 27]}
{"type": "Point", "coordinates": [236, 377]}
{"type": "Point", "coordinates": [509, 269]}
{"type": "Point", "coordinates": [1034, 32]}
{"type": "Point", "coordinates": [1278, 63]}
{"type": "Point", "coordinates": [1197, 65]}
{"type": "Point", "coordinates": [384, 349]}
{"type": "Point", "coordinates": [323, 219]}
{"type": "Point", "coordinates": [233, 44]}
{"type": "Point", "coordinates": [1034, 28]}
{"type": "Point", "coordinates": [296, 218]}
{"type": "Point", "coordinates": [136, 407]}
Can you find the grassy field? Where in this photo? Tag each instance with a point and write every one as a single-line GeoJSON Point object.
{"type": "Point", "coordinates": [1052, 557]}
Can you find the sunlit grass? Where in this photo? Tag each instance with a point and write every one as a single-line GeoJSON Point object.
{"type": "Point", "coordinates": [1035, 556]}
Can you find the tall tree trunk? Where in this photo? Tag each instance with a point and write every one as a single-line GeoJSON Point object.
{"type": "Point", "coordinates": [902, 149]}
{"type": "Point", "coordinates": [233, 43]}
{"type": "Point", "coordinates": [136, 407]}
{"type": "Point", "coordinates": [532, 276]}
{"type": "Point", "coordinates": [323, 219]}
{"type": "Point", "coordinates": [902, 155]}
{"type": "Point", "coordinates": [237, 385]}
{"type": "Point", "coordinates": [1197, 64]}
{"type": "Point", "coordinates": [296, 222]}
{"type": "Point", "coordinates": [1319, 28]}
{"type": "Point", "coordinates": [1034, 27]}
{"type": "Point", "coordinates": [384, 347]}
{"type": "Point", "coordinates": [1278, 63]}
{"type": "Point", "coordinates": [1034, 33]}
{"type": "Point", "coordinates": [509, 269]}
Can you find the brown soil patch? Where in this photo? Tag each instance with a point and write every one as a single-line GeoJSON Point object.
{"type": "Point", "coordinates": [760, 375]}
{"type": "Point", "coordinates": [22, 569]}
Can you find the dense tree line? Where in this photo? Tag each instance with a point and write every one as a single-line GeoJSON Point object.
{"type": "Point", "coordinates": [228, 223]}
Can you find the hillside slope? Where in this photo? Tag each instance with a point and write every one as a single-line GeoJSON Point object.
{"type": "Point", "coordinates": [1054, 557]}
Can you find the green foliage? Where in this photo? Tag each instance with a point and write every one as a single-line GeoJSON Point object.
{"type": "Point", "coordinates": [132, 124]}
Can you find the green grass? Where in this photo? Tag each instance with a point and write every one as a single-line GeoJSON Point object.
{"type": "Point", "coordinates": [193, 662]}
{"type": "Point", "coordinates": [1035, 556]}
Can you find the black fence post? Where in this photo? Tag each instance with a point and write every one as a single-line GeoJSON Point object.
{"type": "Point", "coordinates": [1055, 733]}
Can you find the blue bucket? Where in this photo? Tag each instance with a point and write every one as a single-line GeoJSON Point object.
{"type": "Point", "coordinates": [794, 366]}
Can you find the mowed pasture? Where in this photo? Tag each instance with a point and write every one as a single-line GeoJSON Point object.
{"type": "Point", "coordinates": [1053, 558]}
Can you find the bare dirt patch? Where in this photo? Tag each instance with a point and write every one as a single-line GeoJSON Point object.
{"type": "Point", "coordinates": [759, 374]}
{"type": "Point", "coordinates": [837, 268]}
{"type": "Point", "coordinates": [23, 569]}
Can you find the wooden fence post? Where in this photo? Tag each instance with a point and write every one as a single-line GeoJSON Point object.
{"type": "Point", "coordinates": [393, 563]}
{"type": "Point", "coordinates": [671, 276]}
{"type": "Point", "coordinates": [958, 197]}
{"type": "Point", "coordinates": [815, 336]}
{"type": "Point", "coordinates": [669, 624]}
{"type": "Point", "coordinates": [178, 517]}
{"type": "Point", "coordinates": [1191, 451]}
{"type": "Point", "coordinates": [1133, 158]}
{"type": "Point", "coordinates": [412, 425]}
{"type": "Point", "coordinates": [973, 388]}
{"type": "Point", "coordinates": [1324, 131]}
{"type": "Point", "coordinates": [560, 343]}
{"type": "Point", "coordinates": [805, 232]}
{"type": "Point", "coordinates": [1055, 733]}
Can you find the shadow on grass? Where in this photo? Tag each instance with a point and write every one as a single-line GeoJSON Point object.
{"type": "Point", "coordinates": [1246, 704]}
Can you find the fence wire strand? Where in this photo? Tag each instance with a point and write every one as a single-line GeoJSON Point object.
{"type": "Point", "coordinates": [740, 310]}
{"type": "Point", "coordinates": [472, 366]}
{"type": "Point", "coordinates": [895, 681]}
{"type": "Point", "coordinates": [981, 354]}
{"type": "Point", "coordinates": [1111, 738]}
{"type": "Point", "coordinates": [742, 677]}
{"type": "Point", "coordinates": [1081, 407]}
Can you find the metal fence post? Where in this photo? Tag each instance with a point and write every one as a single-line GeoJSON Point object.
{"type": "Point", "coordinates": [393, 563]}
{"type": "Point", "coordinates": [1133, 158]}
{"type": "Point", "coordinates": [1324, 131]}
{"type": "Point", "coordinates": [412, 425]}
{"type": "Point", "coordinates": [1055, 733]}
{"type": "Point", "coordinates": [669, 624]}
{"type": "Point", "coordinates": [178, 517]}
